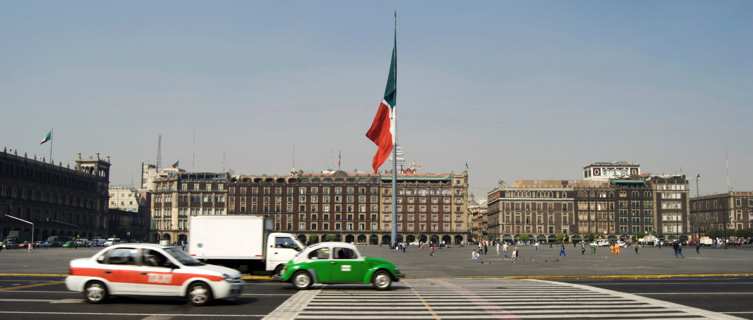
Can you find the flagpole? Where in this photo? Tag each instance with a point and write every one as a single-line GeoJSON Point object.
{"type": "Point", "coordinates": [394, 145]}
{"type": "Point", "coordinates": [52, 135]}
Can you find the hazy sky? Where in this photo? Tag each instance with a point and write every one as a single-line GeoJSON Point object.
{"type": "Point", "coordinates": [518, 90]}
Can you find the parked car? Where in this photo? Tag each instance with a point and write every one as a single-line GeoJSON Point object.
{"type": "Point", "coordinates": [150, 270]}
{"type": "Point", "coordinates": [111, 241]}
{"type": "Point", "coordinates": [41, 244]}
{"type": "Point", "coordinates": [338, 262]}
{"type": "Point", "coordinates": [10, 244]}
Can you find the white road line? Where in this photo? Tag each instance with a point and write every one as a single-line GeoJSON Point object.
{"type": "Point", "coordinates": [200, 315]}
{"type": "Point", "coordinates": [667, 304]}
{"type": "Point", "coordinates": [293, 306]}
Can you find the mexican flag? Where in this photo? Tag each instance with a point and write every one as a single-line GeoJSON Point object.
{"type": "Point", "coordinates": [382, 130]}
{"type": "Point", "coordinates": [48, 137]}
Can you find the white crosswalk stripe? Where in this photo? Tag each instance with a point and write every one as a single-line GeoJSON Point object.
{"type": "Point", "coordinates": [482, 299]}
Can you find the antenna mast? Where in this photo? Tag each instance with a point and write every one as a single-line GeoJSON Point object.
{"type": "Point", "coordinates": [159, 152]}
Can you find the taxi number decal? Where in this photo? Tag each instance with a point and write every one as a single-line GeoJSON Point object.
{"type": "Point", "coordinates": [345, 267]}
{"type": "Point", "coordinates": [159, 278]}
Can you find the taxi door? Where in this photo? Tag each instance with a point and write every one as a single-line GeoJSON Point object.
{"type": "Point", "coordinates": [156, 275]}
{"type": "Point", "coordinates": [345, 265]}
{"type": "Point", "coordinates": [319, 261]}
{"type": "Point", "coordinates": [121, 271]}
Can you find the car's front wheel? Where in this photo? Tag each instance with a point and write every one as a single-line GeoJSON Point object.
{"type": "Point", "coordinates": [301, 280]}
{"type": "Point", "coordinates": [382, 280]}
{"type": "Point", "coordinates": [199, 294]}
{"type": "Point", "coordinates": [95, 292]}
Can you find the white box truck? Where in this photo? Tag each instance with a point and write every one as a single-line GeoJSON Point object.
{"type": "Point", "coordinates": [244, 242]}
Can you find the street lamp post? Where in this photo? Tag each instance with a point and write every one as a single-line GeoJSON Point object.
{"type": "Point", "coordinates": [697, 208]}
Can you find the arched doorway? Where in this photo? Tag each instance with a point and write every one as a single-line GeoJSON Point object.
{"type": "Point", "coordinates": [349, 238]}
{"type": "Point", "coordinates": [386, 239]}
{"type": "Point", "coordinates": [507, 238]}
{"type": "Point", "coordinates": [166, 237]}
{"type": "Point", "coordinates": [552, 238]}
{"type": "Point", "coordinates": [399, 238]}
{"type": "Point", "coordinates": [374, 239]}
{"type": "Point", "coordinates": [458, 239]}
{"type": "Point", "coordinates": [182, 238]}
{"type": "Point", "coordinates": [302, 238]}
{"type": "Point", "coordinates": [541, 238]}
{"type": "Point", "coordinates": [577, 238]}
{"type": "Point", "coordinates": [434, 239]}
{"type": "Point", "coordinates": [446, 239]}
{"type": "Point", "coordinates": [411, 238]}
{"type": "Point", "coordinates": [423, 239]}
{"type": "Point", "coordinates": [361, 238]}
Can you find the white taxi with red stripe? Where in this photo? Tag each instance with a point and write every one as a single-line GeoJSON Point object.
{"type": "Point", "coordinates": [152, 270]}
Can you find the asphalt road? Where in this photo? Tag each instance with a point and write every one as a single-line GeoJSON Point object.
{"type": "Point", "coordinates": [716, 279]}
{"type": "Point", "coordinates": [729, 295]}
{"type": "Point", "coordinates": [47, 298]}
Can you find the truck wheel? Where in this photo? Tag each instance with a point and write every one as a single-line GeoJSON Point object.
{"type": "Point", "coordinates": [301, 280]}
{"type": "Point", "coordinates": [199, 294]}
{"type": "Point", "coordinates": [277, 270]}
{"type": "Point", "coordinates": [95, 292]}
{"type": "Point", "coordinates": [382, 280]}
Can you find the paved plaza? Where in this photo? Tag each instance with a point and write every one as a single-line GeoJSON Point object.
{"type": "Point", "coordinates": [456, 261]}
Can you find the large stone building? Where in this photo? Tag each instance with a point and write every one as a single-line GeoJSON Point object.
{"type": "Point", "coordinates": [58, 200]}
{"type": "Point", "coordinates": [730, 210]}
{"type": "Point", "coordinates": [539, 209]}
{"type": "Point", "coordinates": [128, 214]}
{"type": "Point", "coordinates": [617, 207]}
{"type": "Point", "coordinates": [351, 207]}
{"type": "Point", "coordinates": [182, 194]}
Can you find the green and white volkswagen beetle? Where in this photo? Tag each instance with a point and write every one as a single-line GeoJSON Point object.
{"type": "Point", "coordinates": [338, 262]}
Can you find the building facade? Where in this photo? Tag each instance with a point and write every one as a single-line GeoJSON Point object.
{"type": "Point", "coordinates": [539, 209]}
{"type": "Point", "coordinates": [59, 201]}
{"type": "Point", "coordinates": [180, 195]}
{"type": "Point", "coordinates": [730, 210]}
{"type": "Point", "coordinates": [340, 206]}
{"type": "Point", "coordinates": [617, 208]}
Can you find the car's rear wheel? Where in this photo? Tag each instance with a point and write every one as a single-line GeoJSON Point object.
{"type": "Point", "coordinates": [199, 294]}
{"type": "Point", "coordinates": [301, 280]}
{"type": "Point", "coordinates": [382, 280]}
{"type": "Point", "coordinates": [95, 292]}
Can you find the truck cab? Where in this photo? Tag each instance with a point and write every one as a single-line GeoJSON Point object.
{"type": "Point", "coordinates": [281, 248]}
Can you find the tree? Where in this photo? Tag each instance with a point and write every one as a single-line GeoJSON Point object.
{"type": "Point", "coordinates": [330, 237]}
{"type": "Point", "coordinates": [560, 237]}
{"type": "Point", "coordinates": [591, 237]}
{"type": "Point", "coordinates": [524, 237]}
{"type": "Point", "coordinates": [313, 239]}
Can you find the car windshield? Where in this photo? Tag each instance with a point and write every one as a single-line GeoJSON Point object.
{"type": "Point", "coordinates": [184, 258]}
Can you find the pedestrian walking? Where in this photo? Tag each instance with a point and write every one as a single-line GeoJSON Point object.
{"type": "Point", "coordinates": [562, 251]}
{"type": "Point", "coordinates": [486, 248]}
{"type": "Point", "coordinates": [515, 252]}
{"type": "Point", "coordinates": [637, 246]}
{"type": "Point", "coordinates": [431, 249]}
{"type": "Point", "coordinates": [617, 249]}
{"type": "Point", "coordinates": [679, 251]}
{"type": "Point", "coordinates": [504, 249]}
{"type": "Point", "coordinates": [497, 248]}
{"type": "Point", "coordinates": [582, 248]}
{"type": "Point", "coordinates": [698, 247]}
{"type": "Point", "coordinates": [537, 246]}
{"type": "Point", "coordinates": [474, 255]}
